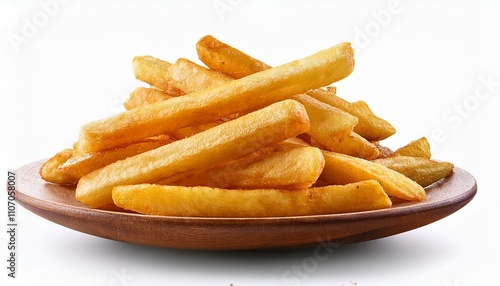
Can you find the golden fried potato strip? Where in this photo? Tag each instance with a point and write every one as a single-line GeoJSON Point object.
{"type": "Point", "coordinates": [242, 95]}
{"type": "Point", "coordinates": [296, 168]}
{"type": "Point", "coordinates": [416, 148]}
{"type": "Point", "coordinates": [222, 57]}
{"type": "Point", "coordinates": [344, 169]}
{"type": "Point", "coordinates": [80, 165]}
{"type": "Point", "coordinates": [143, 96]}
{"type": "Point", "coordinates": [216, 202]}
{"type": "Point", "coordinates": [50, 172]}
{"type": "Point", "coordinates": [191, 77]}
{"type": "Point", "coordinates": [228, 141]}
{"type": "Point", "coordinates": [422, 170]}
{"type": "Point", "coordinates": [351, 144]}
{"type": "Point", "coordinates": [370, 126]}
{"type": "Point", "coordinates": [152, 71]}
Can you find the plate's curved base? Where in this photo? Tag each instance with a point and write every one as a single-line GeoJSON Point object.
{"type": "Point", "coordinates": [58, 204]}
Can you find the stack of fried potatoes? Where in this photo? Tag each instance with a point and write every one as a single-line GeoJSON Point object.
{"type": "Point", "coordinates": [239, 138]}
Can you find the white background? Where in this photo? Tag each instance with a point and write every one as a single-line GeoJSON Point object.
{"type": "Point", "coordinates": [422, 66]}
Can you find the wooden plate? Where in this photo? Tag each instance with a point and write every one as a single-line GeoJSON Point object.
{"type": "Point", "coordinates": [57, 203]}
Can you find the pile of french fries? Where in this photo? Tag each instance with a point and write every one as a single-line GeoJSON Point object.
{"type": "Point", "coordinates": [239, 138]}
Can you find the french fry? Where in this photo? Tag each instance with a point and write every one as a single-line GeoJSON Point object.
{"type": "Point", "coordinates": [370, 126]}
{"type": "Point", "coordinates": [233, 62]}
{"type": "Point", "coordinates": [416, 148]}
{"type": "Point", "coordinates": [228, 141]}
{"type": "Point", "coordinates": [330, 127]}
{"type": "Point", "coordinates": [242, 95]}
{"type": "Point", "coordinates": [296, 168]}
{"type": "Point", "coordinates": [187, 77]}
{"type": "Point", "coordinates": [351, 144]}
{"type": "Point", "coordinates": [422, 170]}
{"type": "Point", "coordinates": [49, 170]}
{"type": "Point", "coordinates": [222, 57]}
{"type": "Point", "coordinates": [152, 71]}
{"type": "Point", "coordinates": [144, 96]}
{"type": "Point", "coordinates": [216, 202]}
{"type": "Point", "coordinates": [190, 77]}
{"type": "Point", "coordinates": [344, 169]}
{"type": "Point", "coordinates": [80, 165]}
{"type": "Point", "coordinates": [360, 147]}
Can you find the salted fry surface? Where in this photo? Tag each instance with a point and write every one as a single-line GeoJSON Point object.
{"type": "Point", "coordinates": [216, 202]}
{"type": "Point", "coordinates": [295, 168]}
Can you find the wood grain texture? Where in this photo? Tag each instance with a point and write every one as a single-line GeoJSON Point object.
{"type": "Point", "coordinates": [58, 204]}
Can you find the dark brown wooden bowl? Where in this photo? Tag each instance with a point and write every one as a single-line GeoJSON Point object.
{"type": "Point", "coordinates": [58, 204]}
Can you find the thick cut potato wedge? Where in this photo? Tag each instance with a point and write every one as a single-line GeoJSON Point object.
{"type": "Point", "coordinates": [80, 165]}
{"type": "Point", "coordinates": [235, 63]}
{"type": "Point", "coordinates": [245, 94]}
{"type": "Point", "coordinates": [344, 169]}
{"type": "Point", "coordinates": [152, 71]}
{"type": "Point", "coordinates": [422, 170]}
{"type": "Point", "coordinates": [228, 141]}
{"type": "Point", "coordinates": [296, 168]}
{"type": "Point", "coordinates": [215, 202]}
{"type": "Point", "coordinates": [51, 173]}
